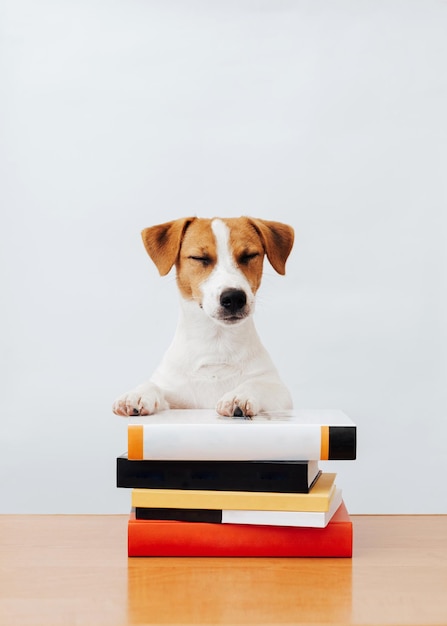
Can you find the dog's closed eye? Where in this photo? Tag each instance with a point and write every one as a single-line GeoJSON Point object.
{"type": "Point", "coordinates": [204, 260]}
{"type": "Point", "coordinates": [245, 258]}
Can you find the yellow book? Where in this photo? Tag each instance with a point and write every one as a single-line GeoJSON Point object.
{"type": "Point", "coordinates": [318, 499]}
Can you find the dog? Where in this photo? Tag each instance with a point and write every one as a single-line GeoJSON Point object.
{"type": "Point", "coordinates": [216, 359]}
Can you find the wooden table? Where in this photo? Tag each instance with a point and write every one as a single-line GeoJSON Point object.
{"type": "Point", "coordinates": [74, 570]}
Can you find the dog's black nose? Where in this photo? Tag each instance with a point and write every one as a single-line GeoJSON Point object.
{"type": "Point", "coordinates": [233, 300]}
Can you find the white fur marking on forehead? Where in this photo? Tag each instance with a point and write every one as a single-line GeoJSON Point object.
{"type": "Point", "coordinates": [222, 235]}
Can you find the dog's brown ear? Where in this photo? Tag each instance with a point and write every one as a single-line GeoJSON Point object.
{"type": "Point", "coordinates": [163, 242]}
{"type": "Point", "coordinates": [278, 242]}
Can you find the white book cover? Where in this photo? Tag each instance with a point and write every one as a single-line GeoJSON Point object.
{"type": "Point", "coordinates": [202, 434]}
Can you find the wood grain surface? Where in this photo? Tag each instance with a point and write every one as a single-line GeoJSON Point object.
{"type": "Point", "coordinates": [75, 570]}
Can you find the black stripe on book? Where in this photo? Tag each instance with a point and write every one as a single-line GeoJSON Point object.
{"type": "Point", "coordinates": [342, 443]}
{"type": "Point", "coordinates": [181, 515]}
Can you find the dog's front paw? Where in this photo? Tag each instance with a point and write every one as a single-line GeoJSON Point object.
{"type": "Point", "coordinates": [237, 405]}
{"type": "Point", "coordinates": [140, 401]}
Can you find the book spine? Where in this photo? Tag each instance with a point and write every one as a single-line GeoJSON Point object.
{"type": "Point", "coordinates": [171, 538]}
{"type": "Point", "coordinates": [282, 476]}
{"type": "Point", "coordinates": [268, 518]}
{"type": "Point", "coordinates": [285, 442]}
{"type": "Point", "coordinates": [318, 499]}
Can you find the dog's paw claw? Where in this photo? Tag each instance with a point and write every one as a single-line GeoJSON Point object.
{"type": "Point", "coordinates": [237, 406]}
{"type": "Point", "coordinates": [140, 402]}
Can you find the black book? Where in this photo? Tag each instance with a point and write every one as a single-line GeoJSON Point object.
{"type": "Point", "coordinates": [267, 476]}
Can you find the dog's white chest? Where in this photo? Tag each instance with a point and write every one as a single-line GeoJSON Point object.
{"type": "Point", "coordinates": [215, 372]}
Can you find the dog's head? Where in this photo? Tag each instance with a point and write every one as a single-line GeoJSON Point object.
{"type": "Point", "coordinates": [219, 261]}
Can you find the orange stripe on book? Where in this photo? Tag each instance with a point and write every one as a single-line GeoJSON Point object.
{"type": "Point", "coordinates": [324, 451]}
{"type": "Point", "coordinates": [135, 442]}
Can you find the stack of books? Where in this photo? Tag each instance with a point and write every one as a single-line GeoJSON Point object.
{"type": "Point", "coordinates": [207, 485]}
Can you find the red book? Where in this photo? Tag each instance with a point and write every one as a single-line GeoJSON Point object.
{"type": "Point", "coordinates": [174, 538]}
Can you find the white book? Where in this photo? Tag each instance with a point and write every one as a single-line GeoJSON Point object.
{"type": "Point", "coordinates": [202, 434]}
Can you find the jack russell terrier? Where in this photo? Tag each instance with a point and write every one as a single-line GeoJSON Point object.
{"type": "Point", "coordinates": [216, 359]}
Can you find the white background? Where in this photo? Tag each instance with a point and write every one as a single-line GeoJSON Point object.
{"type": "Point", "coordinates": [330, 116]}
